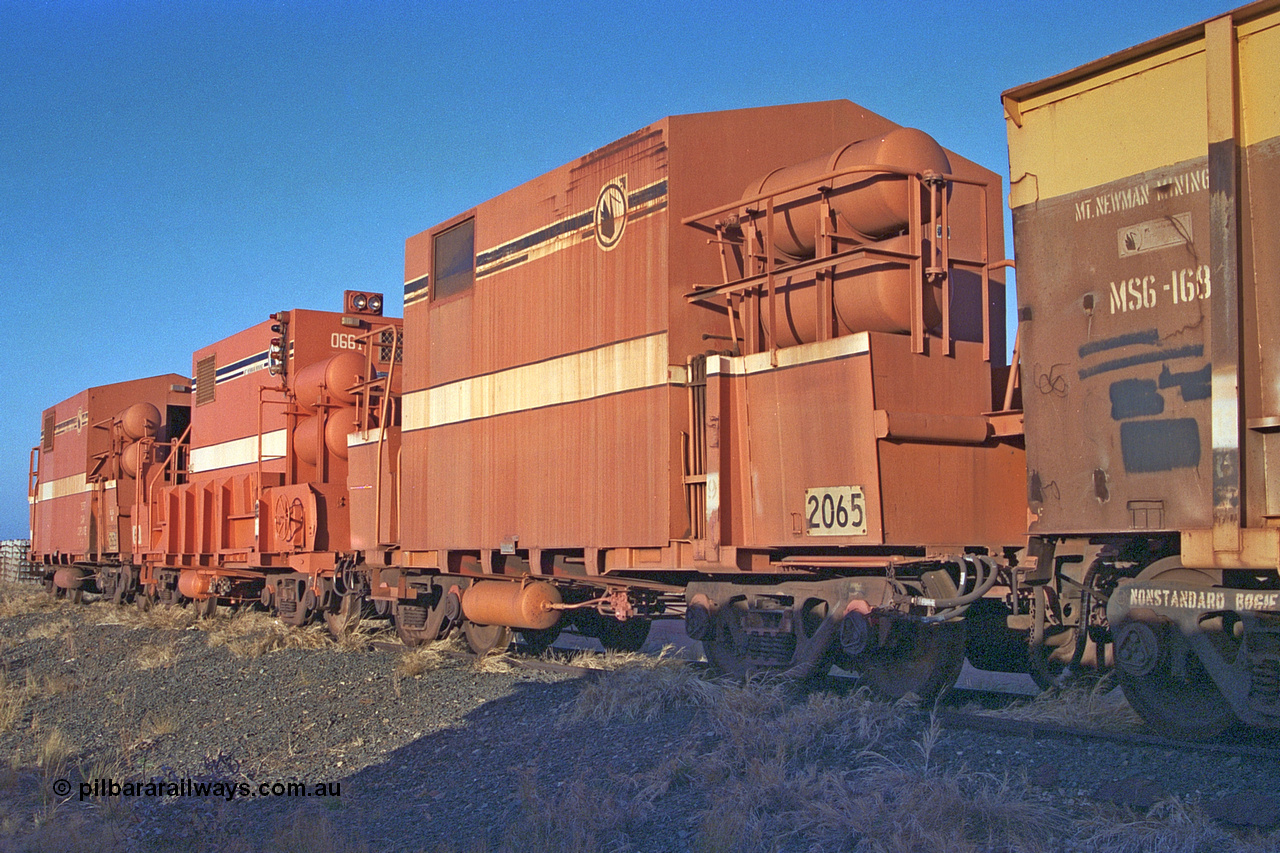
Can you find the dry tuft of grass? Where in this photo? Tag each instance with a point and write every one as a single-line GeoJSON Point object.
{"type": "Point", "coordinates": [821, 771]}
{"type": "Point", "coordinates": [666, 658]}
{"type": "Point", "coordinates": [52, 755]}
{"type": "Point", "coordinates": [644, 690]}
{"type": "Point", "coordinates": [154, 656]}
{"type": "Point", "coordinates": [160, 617]}
{"type": "Point", "coordinates": [415, 662]}
{"type": "Point", "coordinates": [1170, 826]}
{"type": "Point", "coordinates": [51, 630]}
{"type": "Point", "coordinates": [156, 724]}
{"type": "Point", "coordinates": [1092, 703]}
{"type": "Point", "coordinates": [25, 598]}
{"type": "Point", "coordinates": [252, 634]}
{"type": "Point", "coordinates": [579, 818]}
{"type": "Point", "coordinates": [13, 700]}
{"type": "Point", "coordinates": [56, 685]}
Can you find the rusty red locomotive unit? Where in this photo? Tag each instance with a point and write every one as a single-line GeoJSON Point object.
{"type": "Point", "coordinates": [747, 369]}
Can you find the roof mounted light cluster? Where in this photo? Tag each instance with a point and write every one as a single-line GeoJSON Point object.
{"type": "Point", "coordinates": [361, 302]}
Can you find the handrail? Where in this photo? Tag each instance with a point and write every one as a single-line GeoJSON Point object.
{"type": "Point", "coordinates": [870, 168]}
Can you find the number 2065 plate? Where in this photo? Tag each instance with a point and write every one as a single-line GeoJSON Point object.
{"type": "Point", "coordinates": [835, 511]}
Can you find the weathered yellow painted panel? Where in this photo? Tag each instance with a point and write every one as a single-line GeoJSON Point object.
{"type": "Point", "coordinates": [1140, 114]}
{"type": "Point", "coordinates": [1259, 58]}
{"type": "Point", "coordinates": [1146, 114]}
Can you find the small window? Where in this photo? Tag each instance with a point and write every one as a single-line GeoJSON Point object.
{"type": "Point", "coordinates": [453, 260]}
{"type": "Point", "coordinates": [206, 379]}
{"type": "Point", "coordinates": [386, 340]}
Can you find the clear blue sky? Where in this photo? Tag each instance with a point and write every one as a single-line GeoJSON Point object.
{"type": "Point", "coordinates": [171, 172]}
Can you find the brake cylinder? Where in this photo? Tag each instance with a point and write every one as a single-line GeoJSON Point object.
{"type": "Point", "coordinates": [529, 607]}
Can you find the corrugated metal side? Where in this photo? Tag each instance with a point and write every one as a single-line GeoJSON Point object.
{"type": "Point", "coordinates": [539, 395]}
{"type": "Point", "coordinates": [494, 445]}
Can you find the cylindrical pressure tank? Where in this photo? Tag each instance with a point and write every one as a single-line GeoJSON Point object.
{"type": "Point", "coordinates": [333, 376]}
{"type": "Point", "coordinates": [140, 420]}
{"type": "Point", "coordinates": [513, 605]}
{"type": "Point", "coordinates": [194, 585]}
{"type": "Point", "coordinates": [341, 423]}
{"type": "Point", "coordinates": [336, 426]}
{"type": "Point", "coordinates": [874, 204]}
{"type": "Point", "coordinates": [131, 459]}
{"type": "Point", "coordinates": [69, 577]}
{"type": "Point", "coordinates": [873, 297]}
{"type": "Point", "coordinates": [307, 438]}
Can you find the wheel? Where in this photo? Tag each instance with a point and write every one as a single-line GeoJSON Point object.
{"type": "Point", "coordinates": [921, 659]}
{"type": "Point", "coordinates": [487, 639]}
{"type": "Point", "coordinates": [628, 636]}
{"type": "Point", "coordinates": [1189, 706]}
{"type": "Point", "coordinates": [299, 606]}
{"type": "Point", "coordinates": [430, 617]}
{"type": "Point", "coordinates": [537, 642]}
{"type": "Point", "coordinates": [411, 637]}
{"type": "Point", "coordinates": [1069, 654]}
{"type": "Point", "coordinates": [126, 586]}
{"type": "Point", "coordinates": [109, 585]}
{"type": "Point", "coordinates": [726, 643]}
{"type": "Point", "coordinates": [297, 615]}
{"type": "Point", "coordinates": [145, 599]}
{"type": "Point", "coordinates": [343, 615]}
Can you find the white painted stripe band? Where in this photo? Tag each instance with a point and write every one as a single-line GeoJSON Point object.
{"type": "Point", "coordinates": [841, 347]}
{"type": "Point", "coordinates": [74, 485]}
{"type": "Point", "coordinates": [624, 366]}
{"type": "Point", "coordinates": [363, 437]}
{"type": "Point", "coordinates": [240, 451]}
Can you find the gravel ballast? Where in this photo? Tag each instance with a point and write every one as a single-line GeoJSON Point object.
{"type": "Point", "coordinates": [424, 752]}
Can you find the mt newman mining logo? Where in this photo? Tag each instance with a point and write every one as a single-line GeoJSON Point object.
{"type": "Point", "coordinates": [227, 790]}
{"type": "Point", "coordinates": [611, 213]}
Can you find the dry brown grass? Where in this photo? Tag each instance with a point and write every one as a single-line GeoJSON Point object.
{"type": "Point", "coordinates": [611, 660]}
{"type": "Point", "coordinates": [156, 724]}
{"type": "Point", "coordinates": [644, 692]}
{"type": "Point", "coordinates": [13, 700]}
{"type": "Point", "coordinates": [306, 831]}
{"type": "Point", "coordinates": [50, 630]}
{"type": "Point", "coordinates": [158, 617]}
{"type": "Point", "coordinates": [22, 599]}
{"type": "Point", "coordinates": [155, 656]}
{"type": "Point", "coordinates": [16, 695]}
{"type": "Point", "coordinates": [415, 662]}
{"type": "Point", "coordinates": [1170, 826]}
{"type": "Point", "coordinates": [580, 817]}
{"type": "Point", "coordinates": [252, 633]}
{"type": "Point", "coordinates": [1088, 703]}
{"type": "Point", "coordinates": [823, 772]}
